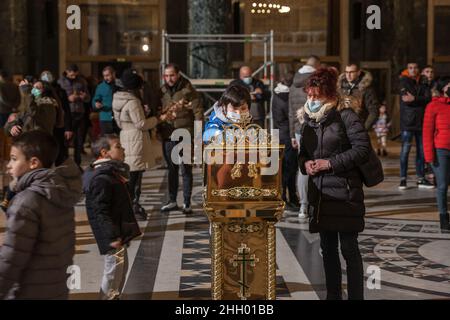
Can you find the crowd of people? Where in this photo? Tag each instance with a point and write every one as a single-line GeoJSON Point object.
{"type": "Point", "coordinates": [324, 120]}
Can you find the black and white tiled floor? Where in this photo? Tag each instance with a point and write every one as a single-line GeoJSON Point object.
{"type": "Point", "coordinates": [171, 260]}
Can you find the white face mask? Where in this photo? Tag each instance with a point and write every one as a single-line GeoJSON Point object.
{"type": "Point", "coordinates": [248, 80]}
{"type": "Point", "coordinates": [238, 118]}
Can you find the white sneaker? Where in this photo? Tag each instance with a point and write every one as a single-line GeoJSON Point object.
{"type": "Point", "coordinates": [303, 214]}
{"type": "Point", "coordinates": [187, 209]}
{"type": "Point", "coordinates": [171, 206]}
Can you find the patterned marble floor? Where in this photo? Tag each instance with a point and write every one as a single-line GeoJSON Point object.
{"type": "Point", "coordinates": [171, 260]}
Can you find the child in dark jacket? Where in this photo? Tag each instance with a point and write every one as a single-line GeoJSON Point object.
{"type": "Point", "coordinates": [40, 239]}
{"type": "Point", "coordinates": [110, 212]}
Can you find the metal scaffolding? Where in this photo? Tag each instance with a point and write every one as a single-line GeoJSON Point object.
{"type": "Point", "coordinates": [207, 86]}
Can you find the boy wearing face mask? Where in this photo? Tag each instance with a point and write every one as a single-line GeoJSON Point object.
{"type": "Point", "coordinates": [233, 107]}
{"type": "Point", "coordinates": [256, 89]}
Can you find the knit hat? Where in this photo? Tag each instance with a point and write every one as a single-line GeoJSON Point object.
{"type": "Point", "coordinates": [131, 80]}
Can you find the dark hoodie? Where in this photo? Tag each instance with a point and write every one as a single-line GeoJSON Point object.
{"type": "Point", "coordinates": [40, 238]}
{"type": "Point", "coordinates": [108, 204]}
{"type": "Point", "coordinates": [412, 113]}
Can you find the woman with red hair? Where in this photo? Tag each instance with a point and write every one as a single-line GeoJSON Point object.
{"type": "Point", "coordinates": [334, 143]}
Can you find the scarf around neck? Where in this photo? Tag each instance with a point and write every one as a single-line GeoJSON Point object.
{"type": "Point", "coordinates": [319, 115]}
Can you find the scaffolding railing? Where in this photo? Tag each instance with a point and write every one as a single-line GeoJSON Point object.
{"type": "Point", "coordinates": [208, 86]}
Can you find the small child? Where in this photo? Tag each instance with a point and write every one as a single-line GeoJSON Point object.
{"type": "Point", "coordinates": [381, 128]}
{"type": "Point", "coordinates": [40, 239]}
{"type": "Point", "coordinates": [233, 107]}
{"type": "Point", "coordinates": [110, 212]}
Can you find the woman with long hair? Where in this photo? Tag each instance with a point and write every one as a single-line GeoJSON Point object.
{"type": "Point", "coordinates": [134, 136]}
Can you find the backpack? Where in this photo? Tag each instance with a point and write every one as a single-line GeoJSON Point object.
{"type": "Point", "coordinates": [371, 172]}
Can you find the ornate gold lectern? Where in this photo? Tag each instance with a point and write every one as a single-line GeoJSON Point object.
{"type": "Point", "coordinates": [243, 202]}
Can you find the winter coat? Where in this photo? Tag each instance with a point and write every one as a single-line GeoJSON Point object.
{"type": "Point", "coordinates": [361, 97]}
{"type": "Point", "coordinates": [104, 94]}
{"type": "Point", "coordinates": [108, 204]}
{"type": "Point", "coordinates": [336, 197]}
{"type": "Point", "coordinates": [77, 85]}
{"type": "Point", "coordinates": [185, 118]}
{"type": "Point", "coordinates": [40, 114]}
{"type": "Point", "coordinates": [257, 109]}
{"type": "Point", "coordinates": [412, 113]}
{"type": "Point", "coordinates": [40, 238]}
{"type": "Point", "coordinates": [216, 124]}
{"type": "Point", "coordinates": [436, 128]}
{"type": "Point", "coordinates": [298, 97]}
{"type": "Point", "coordinates": [134, 137]}
{"type": "Point", "coordinates": [280, 111]}
{"type": "Point", "coordinates": [64, 105]}
{"type": "Point", "coordinates": [9, 97]}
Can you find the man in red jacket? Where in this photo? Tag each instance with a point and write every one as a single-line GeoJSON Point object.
{"type": "Point", "coordinates": [436, 143]}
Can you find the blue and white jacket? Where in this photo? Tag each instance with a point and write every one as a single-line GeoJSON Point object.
{"type": "Point", "coordinates": [215, 125]}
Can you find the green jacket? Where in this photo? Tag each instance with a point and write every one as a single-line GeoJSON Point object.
{"type": "Point", "coordinates": [39, 114]}
{"type": "Point", "coordinates": [186, 117]}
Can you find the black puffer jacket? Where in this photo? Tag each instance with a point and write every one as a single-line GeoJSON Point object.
{"type": "Point", "coordinates": [280, 110]}
{"type": "Point", "coordinates": [108, 204]}
{"type": "Point", "coordinates": [337, 197]}
{"type": "Point", "coordinates": [40, 238]}
{"type": "Point", "coordinates": [412, 113]}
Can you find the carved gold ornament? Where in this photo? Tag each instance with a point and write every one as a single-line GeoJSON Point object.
{"type": "Point", "coordinates": [243, 193]}
{"type": "Point", "coordinates": [244, 228]}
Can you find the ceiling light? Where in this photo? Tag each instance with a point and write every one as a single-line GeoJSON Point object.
{"type": "Point", "coordinates": [284, 9]}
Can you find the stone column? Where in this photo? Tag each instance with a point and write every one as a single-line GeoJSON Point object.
{"type": "Point", "coordinates": [208, 60]}
{"type": "Point", "coordinates": [18, 37]}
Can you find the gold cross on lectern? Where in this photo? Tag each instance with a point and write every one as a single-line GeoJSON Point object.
{"type": "Point", "coordinates": [244, 258]}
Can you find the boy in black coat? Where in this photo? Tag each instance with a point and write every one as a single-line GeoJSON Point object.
{"type": "Point", "coordinates": [110, 212]}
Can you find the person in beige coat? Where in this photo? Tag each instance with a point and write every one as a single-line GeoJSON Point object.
{"type": "Point", "coordinates": [134, 136]}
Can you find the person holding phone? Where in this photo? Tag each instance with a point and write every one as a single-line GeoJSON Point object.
{"type": "Point", "coordinates": [102, 101]}
{"type": "Point", "coordinates": [77, 94]}
{"type": "Point", "coordinates": [414, 97]}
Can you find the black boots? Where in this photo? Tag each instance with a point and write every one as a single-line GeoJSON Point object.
{"type": "Point", "coordinates": [445, 226]}
{"type": "Point", "coordinates": [139, 212]}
